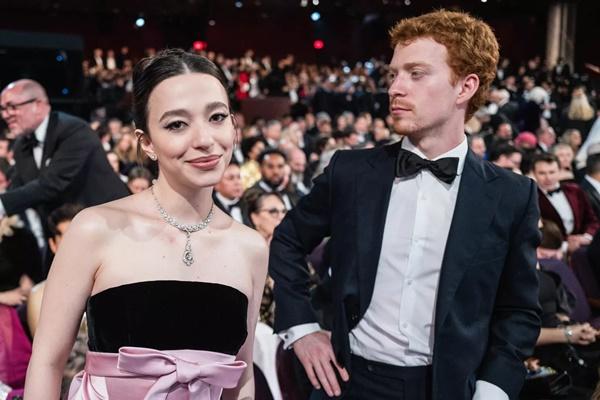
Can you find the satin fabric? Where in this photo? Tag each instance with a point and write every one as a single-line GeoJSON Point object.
{"type": "Point", "coordinates": [148, 374]}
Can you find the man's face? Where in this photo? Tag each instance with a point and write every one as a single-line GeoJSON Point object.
{"type": "Point", "coordinates": [21, 111]}
{"type": "Point", "coordinates": [273, 169]}
{"type": "Point", "coordinates": [546, 174]}
{"type": "Point", "coordinates": [478, 147]}
{"type": "Point", "coordinates": [548, 137]}
{"type": "Point", "coordinates": [230, 185]}
{"type": "Point", "coordinates": [504, 131]}
{"type": "Point", "coordinates": [298, 162]}
{"type": "Point", "coordinates": [422, 95]}
{"type": "Point", "coordinates": [54, 242]}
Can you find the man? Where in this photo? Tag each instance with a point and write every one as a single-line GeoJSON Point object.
{"type": "Point", "coordinates": [275, 177]}
{"type": "Point", "coordinates": [546, 138]}
{"type": "Point", "coordinates": [477, 146]}
{"type": "Point", "coordinates": [591, 182]}
{"type": "Point", "coordinates": [565, 204]}
{"type": "Point", "coordinates": [507, 156]}
{"type": "Point", "coordinates": [58, 159]}
{"type": "Point", "coordinates": [272, 133]}
{"type": "Point", "coordinates": [432, 262]}
{"type": "Point", "coordinates": [299, 177]}
{"type": "Point", "coordinates": [228, 192]}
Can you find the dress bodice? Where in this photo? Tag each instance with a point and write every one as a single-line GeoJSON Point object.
{"type": "Point", "coordinates": [168, 315]}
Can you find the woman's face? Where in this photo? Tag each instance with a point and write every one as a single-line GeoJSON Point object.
{"type": "Point", "coordinates": [138, 185]}
{"type": "Point", "coordinates": [125, 143]}
{"type": "Point", "coordinates": [268, 216]}
{"type": "Point", "coordinates": [191, 129]}
{"type": "Point", "coordinates": [565, 157]}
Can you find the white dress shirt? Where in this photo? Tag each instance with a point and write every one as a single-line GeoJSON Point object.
{"type": "Point", "coordinates": [563, 208]}
{"type": "Point", "coordinates": [234, 212]}
{"type": "Point", "coordinates": [398, 326]}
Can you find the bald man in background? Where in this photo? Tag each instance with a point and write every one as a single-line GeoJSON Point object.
{"type": "Point", "coordinates": [58, 158]}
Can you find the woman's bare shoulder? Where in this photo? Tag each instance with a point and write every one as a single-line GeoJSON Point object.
{"type": "Point", "coordinates": [105, 219]}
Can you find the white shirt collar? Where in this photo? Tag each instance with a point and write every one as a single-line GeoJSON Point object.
{"type": "Point", "coordinates": [41, 130]}
{"type": "Point", "coordinates": [224, 200]}
{"type": "Point", "coordinates": [459, 151]}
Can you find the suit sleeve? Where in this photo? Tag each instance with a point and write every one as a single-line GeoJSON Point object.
{"type": "Point", "coordinates": [66, 164]}
{"type": "Point", "coordinates": [515, 322]}
{"type": "Point", "coordinates": [298, 234]}
{"type": "Point", "coordinates": [590, 220]}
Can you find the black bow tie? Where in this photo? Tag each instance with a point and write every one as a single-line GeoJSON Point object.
{"type": "Point", "coordinates": [29, 142]}
{"type": "Point", "coordinates": [233, 205]}
{"type": "Point", "coordinates": [553, 192]}
{"type": "Point", "coordinates": [409, 163]}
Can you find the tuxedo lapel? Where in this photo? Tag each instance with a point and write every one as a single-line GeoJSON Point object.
{"type": "Point", "coordinates": [50, 140]}
{"type": "Point", "coordinates": [576, 208]}
{"type": "Point", "coordinates": [373, 188]}
{"type": "Point", "coordinates": [26, 166]}
{"type": "Point", "coordinates": [547, 207]}
{"type": "Point", "coordinates": [476, 205]}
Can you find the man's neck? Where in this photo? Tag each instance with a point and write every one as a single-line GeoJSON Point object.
{"type": "Point", "coordinates": [433, 146]}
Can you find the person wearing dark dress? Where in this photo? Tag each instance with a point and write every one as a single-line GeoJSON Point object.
{"type": "Point", "coordinates": [171, 285]}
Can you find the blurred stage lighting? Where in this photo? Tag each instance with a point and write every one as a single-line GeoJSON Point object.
{"type": "Point", "coordinates": [239, 4]}
{"type": "Point", "coordinates": [303, 3]}
{"type": "Point", "coordinates": [318, 44]}
{"type": "Point", "coordinates": [212, 22]}
{"type": "Point", "coordinates": [315, 16]}
{"type": "Point", "coordinates": [315, 2]}
{"type": "Point", "coordinates": [199, 45]}
{"type": "Point", "coordinates": [140, 22]}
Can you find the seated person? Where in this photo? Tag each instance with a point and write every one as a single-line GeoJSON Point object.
{"type": "Point", "coordinates": [58, 223]}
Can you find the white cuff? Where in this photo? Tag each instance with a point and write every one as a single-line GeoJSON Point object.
{"type": "Point", "coordinates": [2, 210]}
{"type": "Point", "coordinates": [488, 391]}
{"type": "Point", "coordinates": [294, 333]}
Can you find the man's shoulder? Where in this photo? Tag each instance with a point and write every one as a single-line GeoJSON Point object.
{"type": "Point", "coordinates": [67, 124]}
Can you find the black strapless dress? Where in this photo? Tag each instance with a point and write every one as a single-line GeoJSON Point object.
{"type": "Point", "coordinates": [173, 338]}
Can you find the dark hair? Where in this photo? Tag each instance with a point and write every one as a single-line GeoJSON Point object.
{"type": "Point", "coordinates": [254, 201]}
{"type": "Point", "coordinates": [544, 157]}
{"type": "Point", "coordinates": [552, 237]}
{"type": "Point", "coordinates": [248, 143]}
{"type": "Point", "coordinates": [139, 173]}
{"type": "Point", "coordinates": [151, 71]}
{"type": "Point", "coordinates": [64, 213]}
{"type": "Point", "coordinates": [269, 152]}
{"type": "Point", "coordinates": [502, 150]}
{"type": "Point", "coordinates": [593, 164]}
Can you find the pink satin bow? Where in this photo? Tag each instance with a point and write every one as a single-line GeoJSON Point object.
{"type": "Point", "coordinates": [201, 374]}
{"type": "Point", "coordinates": [203, 380]}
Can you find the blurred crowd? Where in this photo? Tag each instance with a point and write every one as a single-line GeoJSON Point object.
{"type": "Point", "coordinates": [539, 120]}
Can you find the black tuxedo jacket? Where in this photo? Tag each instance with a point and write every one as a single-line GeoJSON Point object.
{"type": "Point", "coordinates": [592, 194]}
{"type": "Point", "coordinates": [74, 169]}
{"type": "Point", "coordinates": [487, 311]}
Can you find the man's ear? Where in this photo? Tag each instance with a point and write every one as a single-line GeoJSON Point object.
{"type": "Point", "coordinates": [468, 87]}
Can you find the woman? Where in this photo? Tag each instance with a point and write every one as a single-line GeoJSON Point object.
{"type": "Point", "coordinates": [265, 212]}
{"type": "Point", "coordinates": [172, 284]}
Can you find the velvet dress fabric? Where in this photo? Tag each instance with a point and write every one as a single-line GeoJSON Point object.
{"type": "Point", "coordinates": [174, 340]}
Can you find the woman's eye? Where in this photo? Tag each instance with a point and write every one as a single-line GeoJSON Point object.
{"type": "Point", "coordinates": [219, 117]}
{"type": "Point", "coordinates": [175, 125]}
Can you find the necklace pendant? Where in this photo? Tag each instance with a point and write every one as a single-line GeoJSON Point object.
{"type": "Point", "coordinates": [188, 256]}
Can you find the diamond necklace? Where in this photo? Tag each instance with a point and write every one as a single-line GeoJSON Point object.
{"type": "Point", "coordinates": [188, 256]}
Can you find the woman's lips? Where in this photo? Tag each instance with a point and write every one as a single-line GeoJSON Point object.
{"type": "Point", "coordinates": [205, 163]}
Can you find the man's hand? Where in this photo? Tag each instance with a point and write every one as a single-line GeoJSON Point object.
{"type": "Point", "coordinates": [316, 355]}
{"type": "Point", "coordinates": [576, 241]}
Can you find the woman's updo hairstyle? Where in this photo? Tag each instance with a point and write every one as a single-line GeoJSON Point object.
{"type": "Point", "coordinates": [151, 71]}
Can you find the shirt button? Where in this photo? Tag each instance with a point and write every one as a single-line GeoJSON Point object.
{"type": "Point", "coordinates": [409, 282]}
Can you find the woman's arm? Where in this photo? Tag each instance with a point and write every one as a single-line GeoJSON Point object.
{"type": "Point", "coordinates": [66, 291]}
{"type": "Point", "coordinates": [259, 260]}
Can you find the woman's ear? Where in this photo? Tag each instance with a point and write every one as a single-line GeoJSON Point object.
{"type": "Point", "coordinates": [145, 143]}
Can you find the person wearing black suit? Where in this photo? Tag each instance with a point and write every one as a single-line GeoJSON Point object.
{"type": "Point", "coordinates": [58, 159]}
{"type": "Point", "coordinates": [433, 250]}
{"type": "Point", "coordinates": [591, 182]}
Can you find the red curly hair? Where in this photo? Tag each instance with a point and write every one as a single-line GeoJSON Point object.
{"type": "Point", "coordinates": [471, 44]}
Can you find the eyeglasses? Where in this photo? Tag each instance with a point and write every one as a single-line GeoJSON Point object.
{"type": "Point", "coordinates": [274, 212]}
{"type": "Point", "coordinates": [14, 107]}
